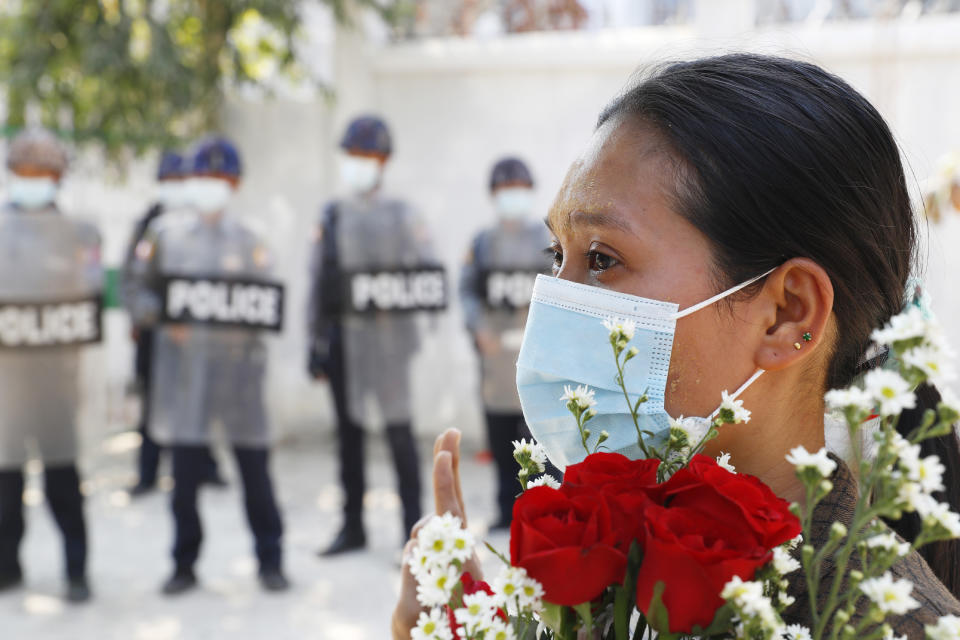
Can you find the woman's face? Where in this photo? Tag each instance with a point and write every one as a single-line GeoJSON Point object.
{"type": "Point", "coordinates": [615, 227]}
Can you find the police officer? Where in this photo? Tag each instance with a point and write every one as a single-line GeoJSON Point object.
{"type": "Point", "coordinates": [371, 269]}
{"type": "Point", "coordinates": [171, 196]}
{"type": "Point", "coordinates": [495, 288]}
{"type": "Point", "coordinates": [205, 284]}
{"type": "Point", "coordinates": [50, 290]}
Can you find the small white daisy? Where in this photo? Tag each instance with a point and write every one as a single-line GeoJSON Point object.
{"type": "Point", "coordinates": [890, 596]}
{"type": "Point", "coordinates": [890, 391]}
{"type": "Point", "coordinates": [803, 459]}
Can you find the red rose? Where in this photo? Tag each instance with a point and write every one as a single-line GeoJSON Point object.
{"type": "Point", "coordinates": [599, 470]}
{"type": "Point", "coordinates": [568, 543]}
{"type": "Point", "coordinates": [723, 495]}
{"type": "Point", "coordinates": [694, 554]}
{"type": "Point", "coordinates": [629, 486]}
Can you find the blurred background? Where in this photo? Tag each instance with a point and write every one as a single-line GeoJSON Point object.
{"type": "Point", "coordinates": [461, 83]}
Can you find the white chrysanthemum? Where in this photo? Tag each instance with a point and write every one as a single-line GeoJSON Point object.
{"type": "Point", "coordinates": [927, 472]}
{"type": "Point", "coordinates": [435, 586]}
{"type": "Point", "coordinates": [432, 626]}
{"type": "Point", "coordinates": [582, 396]}
{"type": "Point", "coordinates": [849, 397]}
{"type": "Point", "coordinates": [546, 480]}
{"type": "Point", "coordinates": [736, 406]}
{"type": "Point", "coordinates": [477, 612]}
{"type": "Point", "coordinates": [783, 562]}
{"type": "Point", "coordinates": [890, 596]}
{"type": "Point", "coordinates": [907, 453]}
{"type": "Point", "coordinates": [796, 632]}
{"type": "Point", "coordinates": [905, 326]}
{"type": "Point", "coordinates": [785, 599]}
{"type": "Point", "coordinates": [891, 392]}
{"type": "Point", "coordinates": [497, 629]}
{"type": "Point", "coordinates": [741, 592]}
{"type": "Point", "coordinates": [949, 398]}
{"type": "Point", "coordinates": [516, 591]}
{"type": "Point", "coordinates": [723, 460]}
{"type": "Point", "coordinates": [890, 542]}
{"type": "Point", "coordinates": [442, 539]}
{"type": "Point", "coordinates": [939, 513]}
{"type": "Point", "coordinates": [532, 450]}
{"type": "Point", "coordinates": [419, 562]}
{"type": "Point", "coordinates": [620, 328]}
{"type": "Point", "coordinates": [793, 542]}
{"type": "Point", "coordinates": [803, 459]}
{"type": "Point", "coordinates": [531, 596]}
{"type": "Point", "coordinates": [934, 363]}
{"type": "Point", "coordinates": [947, 628]}
{"type": "Point", "coordinates": [912, 497]}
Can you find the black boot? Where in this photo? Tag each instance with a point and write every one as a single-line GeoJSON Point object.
{"type": "Point", "coordinates": [272, 579]}
{"type": "Point", "coordinates": [351, 538]}
{"type": "Point", "coordinates": [182, 580]}
{"type": "Point", "coordinates": [10, 580]}
{"type": "Point", "coordinates": [78, 590]}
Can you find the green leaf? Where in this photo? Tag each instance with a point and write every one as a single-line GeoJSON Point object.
{"type": "Point", "coordinates": [494, 551]}
{"type": "Point", "coordinates": [657, 615]}
{"type": "Point", "coordinates": [583, 610]}
{"type": "Point", "coordinates": [722, 621]}
{"type": "Point", "coordinates": [552, 616]}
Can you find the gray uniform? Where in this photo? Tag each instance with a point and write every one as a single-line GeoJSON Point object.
{"type": "Point", "coordinates": [201, 373]}
{"type": "Point", "coordinates": [495, 288]}
{"type": "Point", "coordinates": [45, 258]}
{"type": "Point", "coordinates": [372, 235]}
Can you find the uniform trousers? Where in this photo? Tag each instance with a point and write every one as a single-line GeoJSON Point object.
{"type": "Point", "coordinates": [502, 430]}
{"type": "Point", "coordinates": [62, 487]}
{"type": "Point", "coordinates": [190, 469]}
{"type": "Point", "coordinates": [350, 440]}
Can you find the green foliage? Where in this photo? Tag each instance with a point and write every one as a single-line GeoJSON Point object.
{"type": "Point", "coordinates": [144, 74]}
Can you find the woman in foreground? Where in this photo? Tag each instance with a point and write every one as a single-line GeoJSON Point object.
{"type": "Point", "coordinates": [705, 175]}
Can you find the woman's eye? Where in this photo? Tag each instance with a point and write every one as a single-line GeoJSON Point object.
{"type": "Point", "coordinates": [555, 255]}
{"type": "Point", "coordinates": [600, 261]}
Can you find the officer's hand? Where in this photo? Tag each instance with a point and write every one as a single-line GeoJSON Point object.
{"type": "Point", "coordinates": [179, 333]}
{"type": "Point", "coordinates": [135, 334]}
{"type": "Point", "coordinates": [488, 343]}
{"type": "Point", "coordinates": [448, 497]}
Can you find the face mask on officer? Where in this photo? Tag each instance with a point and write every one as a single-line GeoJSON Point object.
{"type": "Point", "coordinates": [360, 174]}
{"type": "Point", "coordinates": [31, 192]}
{"type": "Point", "coordinates": [513, 203]}
{"type": "Point", "coordinates": [172, 194]}
{"type": "Point", "coordinates": [208, 195]}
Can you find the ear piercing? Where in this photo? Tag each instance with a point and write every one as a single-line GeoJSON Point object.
{"type": "Point", "coordinates": [807, 337]}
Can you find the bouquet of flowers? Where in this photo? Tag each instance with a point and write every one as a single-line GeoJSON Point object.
{"type": "Point", "coordinates": [681, 545]}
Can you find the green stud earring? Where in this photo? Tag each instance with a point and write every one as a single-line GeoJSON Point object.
{"type": "Point", "coordinates": [807, 336]}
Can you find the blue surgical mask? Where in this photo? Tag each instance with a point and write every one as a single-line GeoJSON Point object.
{"type": "Point", "coordinates": [566, 344]}
{"type": "Point", "coordinates": [31, 193]}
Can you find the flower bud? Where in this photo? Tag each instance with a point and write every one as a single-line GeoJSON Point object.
{"type": "Point", "coordinates": [841, 617]}
{"type": "Point", "coordinates": [837, 530]}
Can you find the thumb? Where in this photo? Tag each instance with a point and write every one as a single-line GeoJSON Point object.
{"type": "Point", "coordinates": [445, 489]}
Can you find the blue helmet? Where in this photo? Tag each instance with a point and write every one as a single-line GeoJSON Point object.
{"type": "Point", "coordinates": [367, 133]}
{"type": "Point", "coordinates": [509, 170]}
{"type": "Point", "coordinates": [216, 155]}
{"type": "Point", "coordinates": [171, 166]}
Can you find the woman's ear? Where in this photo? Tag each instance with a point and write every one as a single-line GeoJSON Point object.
{"type": "Point", "coordinates": [795, 306]}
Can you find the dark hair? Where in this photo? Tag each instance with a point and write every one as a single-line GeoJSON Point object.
{"type": "Point", "coordinates": [776, 159]}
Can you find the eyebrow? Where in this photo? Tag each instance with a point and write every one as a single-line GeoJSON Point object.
{"type": "Point", "coordinates": [596, 219]}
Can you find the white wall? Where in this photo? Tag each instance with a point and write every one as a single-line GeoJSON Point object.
{"type": "Point", "coordinates": [455, 106]}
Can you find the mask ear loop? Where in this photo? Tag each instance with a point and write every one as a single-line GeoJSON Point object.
{"type": "Point", "coordinates": [720, 296]}
{"type": "Point", "coordinates": [741, 389]}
